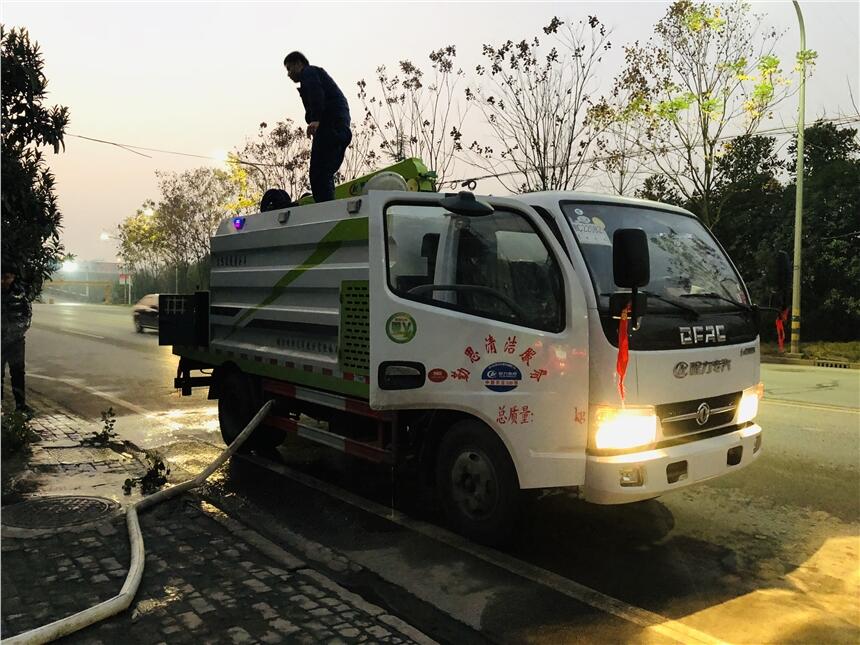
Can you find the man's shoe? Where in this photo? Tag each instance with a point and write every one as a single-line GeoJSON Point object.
{"type": "Point", "coordinates": [26, 410]}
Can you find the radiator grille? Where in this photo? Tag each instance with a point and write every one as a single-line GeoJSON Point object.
{"type": "Point", "coordinates": [680, 418]}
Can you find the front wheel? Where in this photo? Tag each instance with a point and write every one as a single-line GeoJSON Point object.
{"type": "Point", "coordinates": [239, 399]}
{"type": "Point", "coordinates": [477, 483]}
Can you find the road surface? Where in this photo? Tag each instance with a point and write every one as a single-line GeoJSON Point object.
{"type": "Point", "coordinates": [769, 554]}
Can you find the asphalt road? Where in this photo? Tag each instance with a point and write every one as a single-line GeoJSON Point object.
{"type": "Point", "coordinates": [769, 554]}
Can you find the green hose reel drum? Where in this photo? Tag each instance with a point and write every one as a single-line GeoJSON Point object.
{"type": "Point", "coordinates": [416, 175]}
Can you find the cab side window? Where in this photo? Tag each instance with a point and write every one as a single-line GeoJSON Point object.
{"type": "Point", "coordinates": [496, 266]}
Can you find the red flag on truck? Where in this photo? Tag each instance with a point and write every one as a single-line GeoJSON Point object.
{"type": "Point", "coordinates": [623, 350]}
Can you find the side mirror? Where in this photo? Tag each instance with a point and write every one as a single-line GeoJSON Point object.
{"type": "Point", "coordinates": [631, 262]}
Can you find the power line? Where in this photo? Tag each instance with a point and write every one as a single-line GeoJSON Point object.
{"type": "Point", "coordinates": [134, 149]}
{"type": "Point", "coordinates": [840, 120]}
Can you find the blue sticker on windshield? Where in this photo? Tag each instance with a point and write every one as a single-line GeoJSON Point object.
{"type": "Point", "coordinates": [501, 377]}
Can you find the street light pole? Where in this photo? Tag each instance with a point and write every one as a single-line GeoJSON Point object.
{"type": "Point", "coordinates": [798, 200]}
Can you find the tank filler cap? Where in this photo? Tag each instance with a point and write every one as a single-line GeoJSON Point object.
{"type": "Point", "coordinates": [385, 181]}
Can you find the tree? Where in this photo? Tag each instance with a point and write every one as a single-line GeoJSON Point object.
{"type": "Point", "coordinates": [175, 232]}
{"type": "Point", "coordinates": [361, 157]}
{"type": "Point", "coordinates": [537, 101]}
{"type": "Point", "coordinates": [140, 244]}
{"type": "Point", "coordinates": [824, 143]}
{"type": "Point", "coordinates": [192, 205]}
{"type": "Point", "coordinates": [31, 218]}
{"type": "Point", "coordinates": [830, 276]}
{"type": "Point", "coordinates": [278, 158]}
{"type": "Point", "coordinates": [705, 75]}
{"type": "Point", "coordinates": [619, 155]}
{"type": "Point", "coordinates": [418, 115]}
{"type": "Point", "coordinates": [749, 188]}
{"type": "Point", "coordinates": [658, 188]}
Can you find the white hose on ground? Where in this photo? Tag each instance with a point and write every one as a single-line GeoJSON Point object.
{"type": "Point", "coordinates": [122, 601]}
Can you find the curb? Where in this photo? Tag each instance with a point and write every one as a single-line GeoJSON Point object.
{"type": "Point", "coordinates": [817, 362]}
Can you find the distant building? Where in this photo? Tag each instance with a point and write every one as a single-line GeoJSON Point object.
{"type": "Point", "coordinates": [86, 281]}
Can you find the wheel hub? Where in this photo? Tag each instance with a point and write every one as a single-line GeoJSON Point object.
{"type": "Point", "coordinates": [474, 484]}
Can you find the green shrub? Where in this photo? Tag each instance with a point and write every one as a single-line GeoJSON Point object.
{"type": "Point", "coordinates": [17, 434]}
{"type": "Point", "coordinates": [154, 478]}
{"type": "Point", "coordinates": [103, 437]}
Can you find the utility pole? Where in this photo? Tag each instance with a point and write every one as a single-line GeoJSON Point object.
{"type": "Point", "coordinates": [798, 205]}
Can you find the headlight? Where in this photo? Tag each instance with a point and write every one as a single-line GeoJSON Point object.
{"type": "Point", "coordinates": [620, 428]}
{"type": "Point", "coordinates": [748, 407]}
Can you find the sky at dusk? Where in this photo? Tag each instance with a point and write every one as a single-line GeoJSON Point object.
{"type": "Point", "coordinates": [200, 77]}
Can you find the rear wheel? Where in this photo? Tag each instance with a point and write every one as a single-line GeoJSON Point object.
{"type": "Point", "coordinates": [239, 399]}
{"type": "Point", "coordinates": [477, 483]}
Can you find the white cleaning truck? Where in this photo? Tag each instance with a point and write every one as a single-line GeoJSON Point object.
{"type": "Point", "coordinates": [479, 337]}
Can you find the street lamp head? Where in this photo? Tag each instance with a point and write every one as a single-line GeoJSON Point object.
{"type": "Point", "coordinates": [104, 236]}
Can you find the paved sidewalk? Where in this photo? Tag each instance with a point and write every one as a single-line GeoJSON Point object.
{"type": "Point", "coordinates": [207, 579]}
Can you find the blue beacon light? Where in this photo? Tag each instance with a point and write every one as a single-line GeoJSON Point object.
{"type": "Point", "coordinates": [238, 223]}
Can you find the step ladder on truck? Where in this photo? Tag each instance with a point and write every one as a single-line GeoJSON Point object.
{"type": "Point", "coordinates": [545, 340]}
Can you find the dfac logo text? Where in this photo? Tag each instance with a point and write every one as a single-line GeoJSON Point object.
{"type": "Point", "coordinates": [702, 334]}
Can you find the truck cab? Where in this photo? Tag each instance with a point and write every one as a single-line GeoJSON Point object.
{"type": "Point", "coordinates": [513, 306]}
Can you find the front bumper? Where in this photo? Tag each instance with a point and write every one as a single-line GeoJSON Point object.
{"type": "Point", "coordinates": [666, 469]}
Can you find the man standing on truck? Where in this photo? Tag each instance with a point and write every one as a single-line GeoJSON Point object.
{"type": "Point", "coordinates": [327, 116]}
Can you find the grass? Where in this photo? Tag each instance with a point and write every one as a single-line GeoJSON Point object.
{"type": "Point", "coordinates": [833, 351]}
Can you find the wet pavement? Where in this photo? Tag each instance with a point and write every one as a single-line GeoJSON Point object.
{"type": "Point", "coordinates": [207, 578]}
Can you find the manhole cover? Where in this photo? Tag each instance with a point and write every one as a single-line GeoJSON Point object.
{"type": "Point", "coordinates": [56, 512]}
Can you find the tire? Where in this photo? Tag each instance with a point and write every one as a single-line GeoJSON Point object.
{"type": "Point", "coordinates": [477, 484]}
{"type": "Point", "coordinates": [137, 326]}
{"type": "Point", "coordinates": [239, 399]}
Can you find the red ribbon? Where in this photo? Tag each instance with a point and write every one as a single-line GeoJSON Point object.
{"type": "Point", "coordinates": [623, 350]}
{"type": "Point", "coordinates": [780, 329]}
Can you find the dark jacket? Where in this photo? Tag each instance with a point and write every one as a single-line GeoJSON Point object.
{"type": "Point", "coordinates": [322, 98]}
{"type": "Point", "coordinates": [16, 314]}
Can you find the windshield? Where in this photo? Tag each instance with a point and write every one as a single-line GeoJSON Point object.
{"type": "Point", "coordinates": [686, 262]}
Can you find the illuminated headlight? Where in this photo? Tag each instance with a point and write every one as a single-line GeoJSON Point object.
{"type": "Point", "coordinates": [620, 428]}
{"type": "Point", "coordinates": [748, 407]}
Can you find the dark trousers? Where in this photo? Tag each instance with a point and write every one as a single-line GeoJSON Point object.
{"type": "Point", "coordinates": [13, 354]}
{"type": "Point", "coordinates": [327, 152]}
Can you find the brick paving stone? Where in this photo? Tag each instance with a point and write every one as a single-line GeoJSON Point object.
{"type": "Point", "coordinates": [239, 635]}
{"type": "Point", "coordinates": [378, 632]}
{"type": "Point", "coordinates": [284, 626]}
{"type": "Point", "coordinates": [304, 602]}
{"type": "Point", "coordinates": [190, 619]}
{"type": "Point", "coordinates": [201, 606]}
{"type": "Point", "coordinates": [265, 610]}
{"type": "Point", "coordinates": [256, 585]}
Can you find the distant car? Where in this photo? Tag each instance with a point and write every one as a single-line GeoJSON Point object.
{"type": "Point", "coordinates": [145, 313]}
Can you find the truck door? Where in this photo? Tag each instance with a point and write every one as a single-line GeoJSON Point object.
{"type": "Point", "coordinates": [482, 314]}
